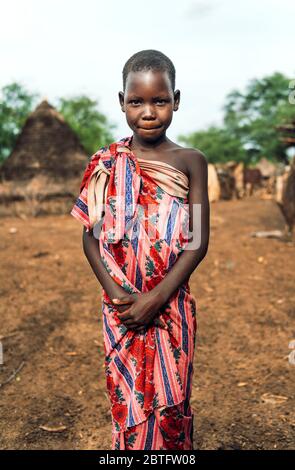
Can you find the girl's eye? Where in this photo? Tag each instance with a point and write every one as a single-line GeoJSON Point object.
{"type": "Point", "coordinates": [138, 102]}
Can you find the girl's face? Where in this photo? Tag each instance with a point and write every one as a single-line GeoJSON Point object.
{"type": "Point", "coordinates": [149, 102]}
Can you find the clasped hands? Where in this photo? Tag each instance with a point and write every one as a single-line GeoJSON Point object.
{"type": "Point", "coordinates": [142, 310]}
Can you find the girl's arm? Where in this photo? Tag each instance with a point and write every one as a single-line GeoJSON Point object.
{"type": "Point", "coordinates": [189, 259]}
{"type": "Point", "coordinates": [92, 253]}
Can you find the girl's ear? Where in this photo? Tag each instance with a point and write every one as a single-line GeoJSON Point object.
{"type": "Point", "coordinates": [176, 100]}
{"type": "Point", "coordinates": [121, 100]}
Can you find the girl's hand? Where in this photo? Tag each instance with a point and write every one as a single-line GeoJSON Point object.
{"type": "Point", "coordinates": [141, 311]}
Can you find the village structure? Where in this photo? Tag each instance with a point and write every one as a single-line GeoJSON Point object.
{"type": "Point", "coordinates": [43, 172]}
{"type": "Point", "coordinates": [52, 377]}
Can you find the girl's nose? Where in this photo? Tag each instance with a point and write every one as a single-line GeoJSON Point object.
{"type": "Point", "coordinates": [148, 112]}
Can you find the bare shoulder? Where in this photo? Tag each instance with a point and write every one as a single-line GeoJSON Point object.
{"type": "Point", "coordinates": [195, 161]}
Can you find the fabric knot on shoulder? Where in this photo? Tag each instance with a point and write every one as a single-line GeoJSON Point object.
{"type": "Point", "coordinates": [110, 187]}
{"type": "Point", "coordinates": [123, 191]}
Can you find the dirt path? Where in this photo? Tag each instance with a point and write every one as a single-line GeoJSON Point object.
{"type": "Point", "coordinates": [51, 321]}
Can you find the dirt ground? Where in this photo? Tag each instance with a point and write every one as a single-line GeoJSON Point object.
{"type": "Point", "coordinates": [51, 330]}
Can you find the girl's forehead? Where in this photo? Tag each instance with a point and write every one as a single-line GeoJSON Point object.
{"type": "Point", "coordinates": [148, 80]}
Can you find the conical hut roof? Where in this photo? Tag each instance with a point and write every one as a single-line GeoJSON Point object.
{"type": "Point", "coordinates": [46, 146]}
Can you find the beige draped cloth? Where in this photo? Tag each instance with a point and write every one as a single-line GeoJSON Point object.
{"type": "Point", "coordinates": [169, 178]}
{"type": "Point", "coordinates": [97, 193]}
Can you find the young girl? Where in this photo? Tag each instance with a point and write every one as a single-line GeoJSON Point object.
{"type": "Point", "coordinates": [137, 202]}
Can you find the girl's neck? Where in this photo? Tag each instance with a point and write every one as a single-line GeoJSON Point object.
{"type": "Point", "coordinates": [139, 144]}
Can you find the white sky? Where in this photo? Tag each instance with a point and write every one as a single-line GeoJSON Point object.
{"type": "Point", "coordinates": [62, 48]}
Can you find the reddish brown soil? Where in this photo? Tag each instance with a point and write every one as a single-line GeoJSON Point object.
{"type": "Point", "coordinates": [51, 320]}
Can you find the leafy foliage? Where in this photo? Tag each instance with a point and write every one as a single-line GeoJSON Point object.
{"type": "Point", "coordinates": [80, 112]}
{"type": "Point", "coordinates": [91, 126]}
{"type": "Point", "coordinates": [249, 125]}
{"type": "Point", "coordinates": [16, 104]}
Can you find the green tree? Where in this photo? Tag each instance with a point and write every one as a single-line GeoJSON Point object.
{"type": "Point", "coordinates": [92, 127]}
{"type": "Point", "coordinates": [16, 103]}
{"type": "Point", "coordinates": [80, 112]}
{"type": "Point", "coordinates": [249, 129]}
{"type": "Point", "coordinates": [217, 144]}
{"type": "Point", "coordinates": [252, 116]}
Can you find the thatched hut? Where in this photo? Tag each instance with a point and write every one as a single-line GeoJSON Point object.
{"type": "Point", "coordinates": [285, 196]}
{"type": "Point", "coordinates": [227, 179]}
{"type": "Point", "coordinates": [214, 189]}
{"type": "Point", "coordinates": [43, 172]}
{"type": "Point", "coordinates": [287, 131]}
{"type": "Point", "coordinates": [266, 168]}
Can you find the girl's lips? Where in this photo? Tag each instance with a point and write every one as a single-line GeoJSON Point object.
{"type": "Point", "coordinates": [150, 128]}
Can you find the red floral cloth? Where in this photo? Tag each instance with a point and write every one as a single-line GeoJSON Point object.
{"type": "Point", "coordinates": [149, 375]}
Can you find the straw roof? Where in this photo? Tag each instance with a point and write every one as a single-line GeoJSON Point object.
{"type": "Point", "coordinates": [46, 146]}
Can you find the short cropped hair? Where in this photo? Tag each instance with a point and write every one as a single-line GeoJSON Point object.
{"type": "Point", "coordinates": [149, 59]}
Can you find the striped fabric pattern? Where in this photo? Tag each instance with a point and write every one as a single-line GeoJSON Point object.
{"type": "Point", "coordinates": [149, 374]}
